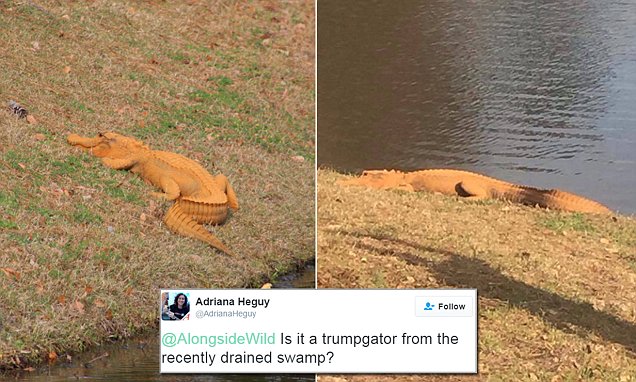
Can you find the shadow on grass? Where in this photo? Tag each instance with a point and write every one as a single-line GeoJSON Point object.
{"type": "Point", "coordinates": [464, 272]}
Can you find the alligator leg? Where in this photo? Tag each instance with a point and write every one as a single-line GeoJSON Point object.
{"type": "Point", "coordinates": [471, 191]}
{"type": "Point", "coordinates": [118, 164]}
{"type": "Point", "coordinates": [222, 181]}
{"type": "Point", "coordinates": [179, 222]}
{"type": "Point", "coordinates": [171, 190]}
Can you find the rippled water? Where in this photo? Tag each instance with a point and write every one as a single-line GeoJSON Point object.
{"type": "Point", "coordinates": [531, 92]}
{"type": "Point", "coordinates": [138, 361]}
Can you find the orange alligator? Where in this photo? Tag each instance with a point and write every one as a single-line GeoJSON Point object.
{"type": "Point", "coordinates": [199, 198]}
{"type": "Point", "coordinates": [475, 186]}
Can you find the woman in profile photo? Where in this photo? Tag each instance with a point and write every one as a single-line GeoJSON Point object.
{"type": "Point", "coordinates": [180, 308]}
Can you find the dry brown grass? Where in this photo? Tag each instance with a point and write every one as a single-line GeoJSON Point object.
{"type": "Point", "coordinates": [557, 291]}
{"type": "Point", "coordinates": [84, 250]}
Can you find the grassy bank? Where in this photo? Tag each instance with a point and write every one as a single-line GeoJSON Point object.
{"type": "Point", "coordinates": [84, 250]}
{"type": "Point", "coordinates": [557, 291]}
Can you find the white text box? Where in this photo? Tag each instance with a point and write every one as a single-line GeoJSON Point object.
{"type": "Point", "coordinates": [319, 331]}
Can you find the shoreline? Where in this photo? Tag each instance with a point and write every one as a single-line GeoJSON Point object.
{"type": "Point", "coordinates": [550, 284]}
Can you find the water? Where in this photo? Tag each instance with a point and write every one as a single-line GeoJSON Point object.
{"type": "Point", "coordinates": [138, 360]}
{"type": "Point", "coordinates": [535, 93]}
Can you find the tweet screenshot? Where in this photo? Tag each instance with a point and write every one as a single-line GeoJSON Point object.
{"type": "Point", "coordinates": [318, 331]}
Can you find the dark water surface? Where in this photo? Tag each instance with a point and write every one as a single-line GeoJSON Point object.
{"type": "Point", "coordinates": [138, 360]}
{"type": "Point", "coordinates": [537, 93]}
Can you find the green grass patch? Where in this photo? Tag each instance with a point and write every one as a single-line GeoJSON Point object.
{"type": "Point", "coordinates": [229, 98]}
{"type": "Point", "coordinates": [42, 211]}
{"type": "Point", "coordinates": [201, 96]}
{"type": "Point", "coordinates": [107, 256]}
{"type": "Point", "coordinates": [221, 80]}
{"type": "Point", "coordinates": [73, 251]}
{"type": "Point", "coordinates": [14, 158]}
{"type": "Point", "coordinates": [575, 222]}
{"type": "Point", "coordinates": [69, 166]}
{"type": "Point", "coordinates": [9, 202]}
{"type": "Point", "coordinates": [179, 56]}
{"type": "Point", "coordinates": [22, 238]}
{"type": "Point", "coordinates": [56, 274]}
{"type": "Point", "coordinates": [77, 105]}
{"type": "Point", "coordinates": [222, 95]}
{"type": "Point", "coordinates": [377, 279]}
{"type": "Point", "coordinates": [84, 215]}
{"type": "Point", "coordinates": [115, 190]}
{"type": "Point", "coordinates": [5, 224]}
{"type": "Point", "coordinates": [198, 48]}
{"type": "Point", "coordinates": [225, 59]}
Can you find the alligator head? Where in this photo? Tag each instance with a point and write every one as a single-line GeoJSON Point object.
{"type": "Point", "coordinates": [111, 145]}
{"type": "Point", "coordinates": [380, 179]}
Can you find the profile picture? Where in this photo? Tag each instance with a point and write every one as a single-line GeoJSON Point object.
{"type": "Point", "coordinates": [175, 306]}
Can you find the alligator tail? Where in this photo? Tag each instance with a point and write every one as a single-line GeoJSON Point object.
{"type": "Point", "coordinates": [179, 222]}
{"type": "Point", "coordinates": [554, 199]}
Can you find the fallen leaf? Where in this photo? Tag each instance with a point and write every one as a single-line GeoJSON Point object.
{"type": "Point", "coordinates": [38, 137]}
{"type": "Point", "coordinates": [61, 299]}
{"type": "Point", "coordinates": [31, 119]}
{"type": "Point", "coordinates": [22, 166]}
{"type": "Point", "coordinates": [52, 356]}
{"type": "Point", "coordinates": [143, 217]}
{"type": "Point", "coordinates": [88, 289]}
{"type": "Point", "coordinates": [100, 303]}
{"type": "Point", "coordinates": [67, 69]}
{"type": "Point", "coordinates": [109, 314]}
{"type": "Point", "coordinates": [66, 17]}
{"type": "Point", "coordinates": [267, 286]}
{"type": "Point", "coordinates": [298, 158]}
{"type": "Point", "coordinates": [11, 272]}
{"type": "Point", "coordinates": [142, 124]}
{"type": "Point", "coordinates": [35, 45]}
{"type": "Point", "coordinates": [128, 291]}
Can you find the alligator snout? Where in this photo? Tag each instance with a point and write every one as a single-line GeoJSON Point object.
{"type": "Point", "coordinates": [87, 143]}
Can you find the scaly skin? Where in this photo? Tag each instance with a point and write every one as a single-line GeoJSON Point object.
{"type": "Point", "coordinates": [475, 186]}
{"type": "Point", "coordinates": [200, 198]}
